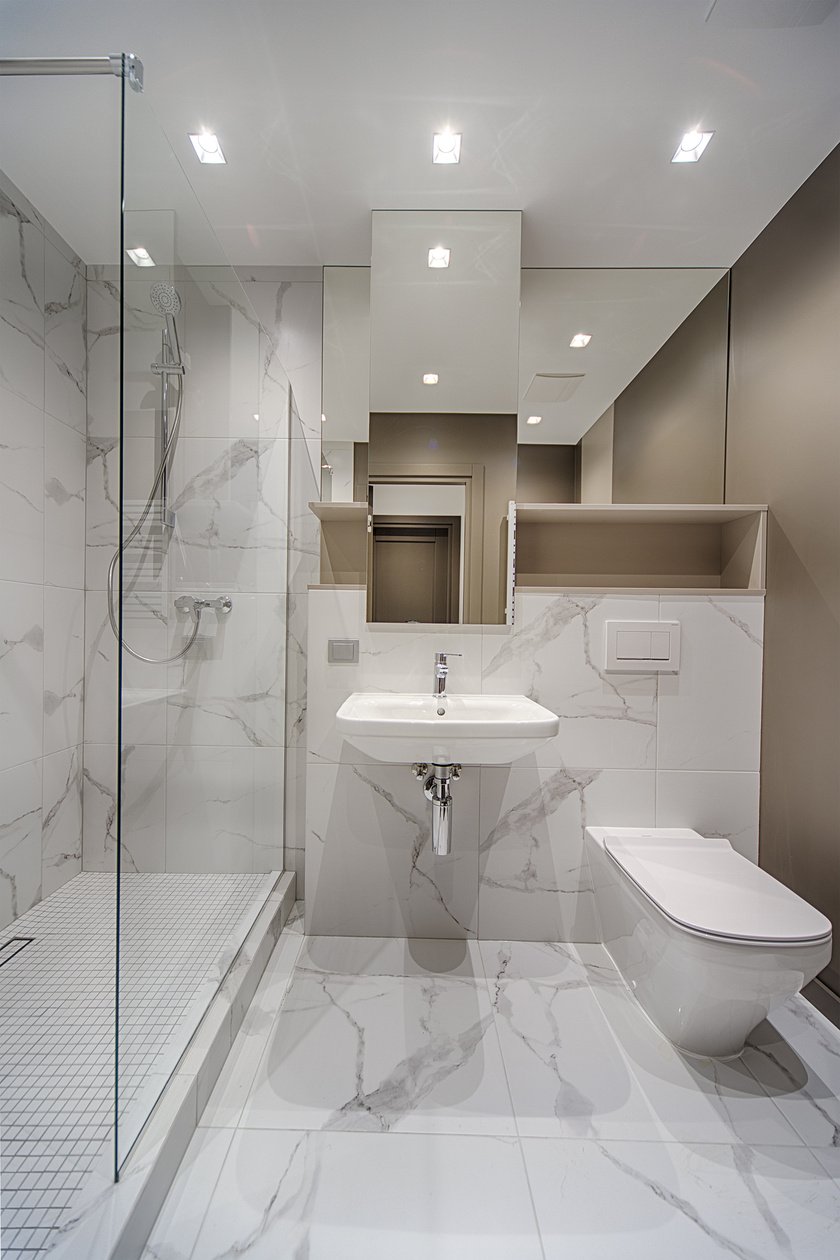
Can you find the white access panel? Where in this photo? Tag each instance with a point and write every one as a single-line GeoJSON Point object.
{"type": "Point", "coordinates": [642, 647]}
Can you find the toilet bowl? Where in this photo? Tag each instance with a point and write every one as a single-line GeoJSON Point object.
{"type": "Point", "coordinates": [707, 942]}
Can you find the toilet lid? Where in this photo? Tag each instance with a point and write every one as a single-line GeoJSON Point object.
{"type": "Point", "coordinates": [703, 884]}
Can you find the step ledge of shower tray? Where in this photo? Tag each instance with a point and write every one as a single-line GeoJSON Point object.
{"type": "Point", "coordinates": [134, 696]}
{"type": "Point", "coordinates": [113, 1221]}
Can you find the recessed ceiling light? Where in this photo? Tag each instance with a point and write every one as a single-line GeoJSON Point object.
{"type": "Point", "coordinates": [446, 147]}
{"type": "Point", "coordinates": [439, 256]}
{"type": "Point", "coordinates": [534, 420]}
{"type": "Point", "coordinates": [140, 257]}
{"type": "Point", "coordinates": [692, 146]}
{"type": "Point", "coordinates": [207, 147]}
{"type": "Point", "coordinates": [580, 340]}
{"type": "Point", "coordinates": [323, 418]}
{"type": "Point", "coordinates": [256, 415]}
{"type": "Point", "coordinates": [430, 378]}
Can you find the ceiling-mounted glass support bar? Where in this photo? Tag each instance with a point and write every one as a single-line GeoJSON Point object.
{"type": "Point", "coordinates": [119, 64]}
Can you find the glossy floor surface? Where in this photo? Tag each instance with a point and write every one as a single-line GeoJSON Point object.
{"type": "Point", "coordinates": [411, 1100]}
{"type": "Point", "coordinates": [57, 1025]}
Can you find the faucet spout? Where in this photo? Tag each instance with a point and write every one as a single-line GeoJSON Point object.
{"type": "Point", "coordinates": [441, 671]}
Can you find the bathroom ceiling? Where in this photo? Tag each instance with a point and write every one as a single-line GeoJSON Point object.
{"type": "Point", "coordinates": [570, 110]}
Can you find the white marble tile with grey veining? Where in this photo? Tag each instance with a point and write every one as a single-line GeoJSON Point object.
{"type": "Point", "coordinates": [534, 876]}
{"type": "Point", "coordinates": [61, 818]}
{"type": "Point", "coordinates": [406, 1195]}
{"type": "Point", "coordinates": [21, 672]}
{"type": "Point", "coordinates": [21, 489]}
{"type": "Point", "coordinates": [21, 302]}
{"type": "Point", "coordinates": [230, 687]}
{"type": "Point", "coordinates": [65, 365]}
{"type": "Point", "coordinates": [698, 1201]}
{"type": "Point", "coordinates": [304, 527]}
{"type": "Point", "coordinates": [376, 1053]}
{"type": "Point", "coordinates": [713, 802]}
{"type": "Point", "coordinates": [64, 505]}
{"type": "Point", "coordinates": [64, 668]}
{"type": "Point", "coordinates": [143, 833]}
{"type": "Point", "coordinates": [20, 840]}
{"type": "Point", "coordinates": [709, 714]}
{"type": "Point", "coordinates": [370, 869]}
{"type": "Point", "coordinates": [556, 655]}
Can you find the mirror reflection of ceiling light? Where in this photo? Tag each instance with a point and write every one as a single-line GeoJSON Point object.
{"type": "Point", "coordinates": [439, 256]}
{"type": "Point", "coordinates": [323, 418]}
{"type": "Point", "coordinates": [140, 257]}
{"type": "Point", "coordinates": [446, 147]}
{"type": "Point", "coordinates": [692, 146]}
{"type": "Point", "coordinates": [580, 341]}
{"type": "Point", "coordinates": [207, 147]}
{"type": "Point", "coordinates": [534, 420]}
{"type": "Point", "coordinates": [430, 378]}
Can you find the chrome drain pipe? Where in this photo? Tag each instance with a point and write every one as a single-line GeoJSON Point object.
{"type": "Point", "coordinates": [436, 788]}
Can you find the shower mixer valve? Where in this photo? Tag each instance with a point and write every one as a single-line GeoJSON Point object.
{"type": "Point", "coordinates": [192, 604]}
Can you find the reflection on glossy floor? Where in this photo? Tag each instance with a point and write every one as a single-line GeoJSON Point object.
{"type": "Point", "coordinates": [417, 1099]}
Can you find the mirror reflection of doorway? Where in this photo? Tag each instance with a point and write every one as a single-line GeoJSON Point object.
{"type": "Point", "coordinates": [415, 569]}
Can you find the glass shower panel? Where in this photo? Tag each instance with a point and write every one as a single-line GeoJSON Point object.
{"type": "Point", "coordinates": [202, 516]}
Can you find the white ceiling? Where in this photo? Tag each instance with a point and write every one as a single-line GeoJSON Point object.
{"type": "Point", "coordinates": [570, 111]}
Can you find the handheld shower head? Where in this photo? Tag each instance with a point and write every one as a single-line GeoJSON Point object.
{"type": "Point", "coordinates": [166, 300]}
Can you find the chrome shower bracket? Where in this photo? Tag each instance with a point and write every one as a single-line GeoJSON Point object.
{"type": "Point", "coordinates": [436, 788]}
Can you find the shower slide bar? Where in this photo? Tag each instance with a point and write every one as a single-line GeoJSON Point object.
{"type": "Point", "coordinates": [118, 64]}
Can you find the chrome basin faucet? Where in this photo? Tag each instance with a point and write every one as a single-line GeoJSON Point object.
{"type": "Point", "coordinates": [441, 670]}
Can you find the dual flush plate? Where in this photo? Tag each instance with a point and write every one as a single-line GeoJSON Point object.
{"type": "Point", "coordinates": [642, 647]}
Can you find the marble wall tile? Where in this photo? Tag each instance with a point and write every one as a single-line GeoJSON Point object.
{"type": "Point", "coordinates": [289, 310]}
{"type": "Point", "coordinates": [145, 692]}
{"type": "Point", "coordinates": [61, 818]}
{"type": "Point", "coordinates": [143, 831]}
{"type": "Point", "coordinates": [20, 840]}
{"type": "Point", "coordinates": [222, 337]}
{"type": "Point", "coordinates": [102, 508]}
{"type": "Point", "coordinates": [65, 453]}
{"type": "Point", "coordinates": [713, 802]}
{"type": "Point", "coordinates": [65, 362]}
{"type": "Point", "coordinates": [230, 687]}
{"type": "Point", "coordinates": [534, 881]}
{"type": "Point", "coordinates": [21, 672]}
{"type": "Point", "coordinates": [230, 507]}
{"type": "Point", "coordinates": [304, 528]}
{"type": "Point", "coordinates": [370, 869]}
{"type": "Point", "coordinates": [21, 302]}
{"type": "Point", "coordinates": [555, 654]}
{"type": "Point", "coordinates": [21, 489]}
{"type": "Point", "coordinates": [710, 712]}
{"type": "Point", "coordinates": [64, 668]}
{"type": "Point", "coordinates": [269, 788]}
{"type": "Point", "coordinates": [103, 352]}
{"type": "Point", "coordinates": [275, 394]}
{"type": "Point", "coordinates": [214, 819]}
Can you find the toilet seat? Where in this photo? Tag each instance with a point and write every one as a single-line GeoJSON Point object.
{"type": "Point", "coordinates": [701, 884]}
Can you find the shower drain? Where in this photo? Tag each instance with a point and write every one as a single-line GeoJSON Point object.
{"type": "Point", "coordinates": [9, 949]}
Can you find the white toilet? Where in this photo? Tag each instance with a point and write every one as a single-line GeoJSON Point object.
{"type": "Point", "coordinates": [707, 942]}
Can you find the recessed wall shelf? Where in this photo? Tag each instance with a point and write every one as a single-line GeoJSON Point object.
{"type": "Point", "coordinates": [344, 541]}
{"type": "Point", "coordinates": [340, 511]}
{"type": "Point", "coordinates": [638, 548]}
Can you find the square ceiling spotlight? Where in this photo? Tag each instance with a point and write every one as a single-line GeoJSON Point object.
{"type": "Point", "coordinates": [580, 341]}
{"type": "Point", "coordinates": [692, 146]}
{"type": "Point", "coordinates": [446, 147]}
{"type": "Point", "coordinates": [140, 257]}
{"type": "Point", "coordinates": [430, 378]}
{"type": "Point", "coordinates": [439, 256]}
{"type": "Point", "coordinates": [207, 148]}
{"type": "Point", "coordinates": [534, 420]}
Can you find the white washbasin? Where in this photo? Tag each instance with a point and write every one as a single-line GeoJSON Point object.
{"type": "Point", "coordinates": [478, 730]}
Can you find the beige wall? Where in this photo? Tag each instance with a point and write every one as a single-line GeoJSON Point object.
{"type": "Point", "coordinates": [486, 444]}
{"type": "Point", "coordinates": [670, 422]}
{"type": "Point", "coordinates": [545, 473]}
{"type": "Point", "coordinates": [784, 449]}
{"type": "Point", "coordinates": [596, 461]}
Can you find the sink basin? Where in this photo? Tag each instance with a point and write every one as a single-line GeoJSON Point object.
{"type": "Point", "coordinates": [478, 730]}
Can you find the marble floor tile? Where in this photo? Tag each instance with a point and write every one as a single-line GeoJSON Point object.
{"type": "Point", "coordinates": [796, 1057]}
{"type": "Point", "coordinates": [617, 1200]}
{"type": "Point", "coordinates": [390, 956]}
{"type": "Point", "coordinates": [353, 1196]}
{"type": "Point", "coordinates": [374, 1053]}
{"type": "Point", "coordinates": [179, 1224]}
{"type": "Point", "coordinates": [225, 1105]}
{"type": "Point", "coordinates": [568, 1075]}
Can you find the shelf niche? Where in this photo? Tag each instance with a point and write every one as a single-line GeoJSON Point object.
{"type": "Point", "coordinates": [696, 548]}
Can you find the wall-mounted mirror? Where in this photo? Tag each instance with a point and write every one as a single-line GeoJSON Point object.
{"type": "Point", "coordinates": [550, 386]}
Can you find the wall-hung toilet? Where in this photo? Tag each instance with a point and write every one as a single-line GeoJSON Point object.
{"type": "Point", "coordinates": [707, 942]}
